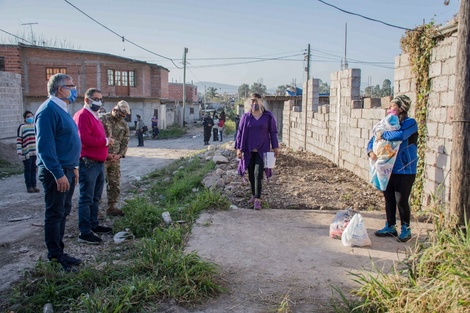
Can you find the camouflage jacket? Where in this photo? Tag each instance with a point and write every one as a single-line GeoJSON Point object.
{"type": "Point", "coordinates": [117, 129]}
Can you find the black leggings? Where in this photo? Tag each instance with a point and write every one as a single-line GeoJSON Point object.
{"type": "Point", "coordinates": [255, 174]}
{"type": "Point", "coordinates": [397, 194]}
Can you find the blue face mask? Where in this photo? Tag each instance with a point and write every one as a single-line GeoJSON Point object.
{"type": "Point", "coordinates": [30, 120]}
{"type": "Point", "coordinates": [73, 95]}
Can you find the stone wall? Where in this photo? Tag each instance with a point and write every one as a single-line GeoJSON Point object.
{"type": "Point", "coordinates": [11, 104]}
{"type": "Point", "coordinates": [341, 129]}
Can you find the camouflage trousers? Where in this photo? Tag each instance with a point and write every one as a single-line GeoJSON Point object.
{"type": "Point", "coordinates": [113, 179]}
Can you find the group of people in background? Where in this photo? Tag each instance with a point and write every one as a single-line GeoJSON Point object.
{"type": "Point", "coordinates": [213, 126]}
{"type": "Point", "coordinates": [66, 151]}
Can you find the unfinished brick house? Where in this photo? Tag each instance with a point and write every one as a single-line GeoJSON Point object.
{"type": "Point", "coordinates": [144, 85]}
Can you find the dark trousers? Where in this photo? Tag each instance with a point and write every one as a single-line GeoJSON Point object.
{"type": "Point", "coordinates": [215, 134]}
{"type": "Point", "coordinates": [91, 178]}
{"type": "Point", "coordinates": [140, 137]}
{"type": "Point", "coordinates": [58, 206]}
{"type": "Point", "coordinates": [397, 195]}
{"type": "Point", "coordinates": [207, 133]}
{"type": "Point", "coordinates": [255, 174]}
{"type": "Point", "coordinates": [30, 172]}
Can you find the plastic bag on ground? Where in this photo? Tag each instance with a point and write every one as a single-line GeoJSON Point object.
{"type": "Point", "coordinates": [340, 221]}
{"type": "Point", "coordinates": [355, 234]}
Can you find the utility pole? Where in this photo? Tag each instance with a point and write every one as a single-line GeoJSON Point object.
{"type": "Point", "coordinates": [345, 46]}
{"type": "Point", "coordinates": [31, 26]}
{"type": "Point", "coordinates": [184, 84]}
{"type": "Point", "coordinates": [307, 69]}
{"type": "Point", "coordinates": [460, 181]}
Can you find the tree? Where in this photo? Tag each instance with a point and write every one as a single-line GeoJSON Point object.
{"type": "Point", "coordinates": [244, 91]}
{"type": "Point", "coordinates": [211, 93]}
{"type": "Point", "coordinates": [376, 93]}
{"type": "Point", "coordinates": [281, 90]}
{"type": "Point", "coordinates": [386, 88]}
{"type": "Point", "coordinates": [324, 87]}
{"type": "Point", "coordinates": [258, 88]}
{"type": "Point", "coordinates": [460, 180]}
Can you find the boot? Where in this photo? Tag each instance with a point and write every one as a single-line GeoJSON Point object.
{"type": "Point", "coordinates": [112, 211]}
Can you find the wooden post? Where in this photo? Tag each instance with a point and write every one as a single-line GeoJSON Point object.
{"type": "Point", "coordinates": [460, 164]}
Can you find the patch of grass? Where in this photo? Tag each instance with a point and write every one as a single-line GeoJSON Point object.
{"type": "Point", "coordinates": [151, 269]}
{"type": "Point", "coordinates": [7, 169]}
{"type": "Point", "coordinates": [174, 131]}
{"type": "Point", "coordinates": [435, 276]}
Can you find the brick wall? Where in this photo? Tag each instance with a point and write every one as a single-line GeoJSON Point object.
{"type": "Point", "coordinates": [11, 104]}
{"type": "Point", "coordinates": [176, 92]}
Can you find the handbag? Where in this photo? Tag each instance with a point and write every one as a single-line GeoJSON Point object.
{"type": "Point", "coordinates": [145, 128]}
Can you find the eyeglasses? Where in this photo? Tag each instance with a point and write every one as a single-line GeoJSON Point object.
{"type": "Point", "coordinates": [69, 86]}
{"type": "Point", "coordinates": [97, 99]}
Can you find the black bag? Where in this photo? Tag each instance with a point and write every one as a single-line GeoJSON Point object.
{"type": "Point", "coordinates": [145, 128]}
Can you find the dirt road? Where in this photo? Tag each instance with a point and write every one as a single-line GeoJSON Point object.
{"type": "Point", "coordinates": [264, 256]}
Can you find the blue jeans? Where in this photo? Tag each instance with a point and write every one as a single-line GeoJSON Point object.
{"type": "Point", "coordinates": [58, 206]}
{"type": "Point", "coordinates": [91, 179]}
{"type": "Point", "coordinates": [30, 172]}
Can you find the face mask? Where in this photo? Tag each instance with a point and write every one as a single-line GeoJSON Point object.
{"type": "Point", "coordinates": [95, 105]}
{"type": "Point", "coordinates": [391, 111]}
{"type": "Point", "coordinates": [73, 95]}
{"type": "Point", "coordinates": [30, 120]}
{"type": "Point", "coordinates": [255, 106]}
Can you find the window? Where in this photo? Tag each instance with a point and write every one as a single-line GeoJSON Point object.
{"type": "Point", "coordinates": [110, 77]}
{"type": "Point", "coordinates": [2, 64]}
{"type": "Point", "coordinates": [117, 78]}
{"type": "Point", "coordinates": [50, 71]}
{"type": "Point", "coordinates": [131, 79]}
{"type": "Point", "coordinates": [124, 78]}
{"type": "Point", "coordinates": [121, 78]}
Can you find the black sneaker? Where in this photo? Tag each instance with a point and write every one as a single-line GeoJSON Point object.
{"type": "Point", "coordinates": [102, 229]}
{"type": "Point", "coordinates": [71, 260]}
{"type": "Point", "coordinates": [65, 266]}
{"type": "Point", "coordinates": [90, 238]}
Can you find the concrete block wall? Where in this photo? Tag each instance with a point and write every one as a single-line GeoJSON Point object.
{"type": "Point", "coordinates": [341, 129]}
{"type": "Point", "coordinates": [11, 104]}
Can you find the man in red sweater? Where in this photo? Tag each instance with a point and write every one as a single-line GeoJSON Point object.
{"type": "Point", "coordinates": [91, 169]}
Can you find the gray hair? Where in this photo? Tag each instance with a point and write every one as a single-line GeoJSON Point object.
{"type": "Point", "coordinates": [90, 92]}
{"type": "Point", "coordinates": [56, 81]}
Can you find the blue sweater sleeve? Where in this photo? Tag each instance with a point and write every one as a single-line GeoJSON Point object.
{"type": "Point", "coordinates": [408, 128]}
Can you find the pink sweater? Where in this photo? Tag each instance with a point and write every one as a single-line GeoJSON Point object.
{"type": "Point", "coordinates": [92, 136]}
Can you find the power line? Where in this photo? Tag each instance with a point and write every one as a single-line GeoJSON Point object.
{"type": "Point", "coordinates": [365, 17]}
{"type": "Point", "coordinates": [15, 36]}
{"type": "Point", "coordinates": [257, 60]}
{"type": "Point", "coordinates": [122, 37]}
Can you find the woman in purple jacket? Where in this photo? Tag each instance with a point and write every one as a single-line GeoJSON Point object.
{"type": "Point", "coordinates": [257, 134]}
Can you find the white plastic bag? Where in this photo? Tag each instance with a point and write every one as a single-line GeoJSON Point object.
{"type": "Point", "coordinates": [355, 233]}
{"type": "Point", "coordinates": [269, 160]}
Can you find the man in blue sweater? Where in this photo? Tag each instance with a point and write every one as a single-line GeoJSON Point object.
{"type": "Point", "coordinates": [58, 153]}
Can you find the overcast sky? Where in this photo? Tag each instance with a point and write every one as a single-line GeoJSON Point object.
{"type": "Point", "coordinates": [222, 36]}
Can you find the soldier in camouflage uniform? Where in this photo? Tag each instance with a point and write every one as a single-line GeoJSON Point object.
{"type": "Point", "coordinates": [116, 127]}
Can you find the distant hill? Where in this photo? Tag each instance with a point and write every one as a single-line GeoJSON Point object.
{"type": "Point", "coordinates": [221, 88]}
